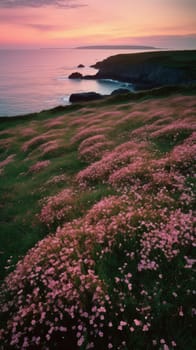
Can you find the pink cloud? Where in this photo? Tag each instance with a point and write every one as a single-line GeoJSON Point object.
{"type": "Point", "coordinates": [40, 3]}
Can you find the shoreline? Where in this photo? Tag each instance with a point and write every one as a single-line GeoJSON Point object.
{"type": "Point", "coordinates": [163, 91]}
{"type": "Point", "coordinates": [146, 70]}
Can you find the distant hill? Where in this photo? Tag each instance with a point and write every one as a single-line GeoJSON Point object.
{"type": "Point", "coordinates": [115, 47]}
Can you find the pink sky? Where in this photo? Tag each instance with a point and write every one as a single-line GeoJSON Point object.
{"type": "Point", "coordinates": [68, 23]}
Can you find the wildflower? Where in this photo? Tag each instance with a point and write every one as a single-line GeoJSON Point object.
{"type": "Point", "coordinates": [165, 347]}
{"type": "Point", "coordinates": [80, 341]}
{"type": "Point", "coordinates": [57, 208]}
{"type": "Point", "coordinates": [37, 167]}
{"type": "Point", "coordinates": [137, 322]}
{"type": "Point", "coordinates": [181, 313]}
{"type": "Point", "coordinates": [145, 328]}
{"type": "Point", "coordinates": [100, 334]}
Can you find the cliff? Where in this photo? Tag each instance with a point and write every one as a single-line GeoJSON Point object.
{"type": "Point", "coordinates": [149, 69]}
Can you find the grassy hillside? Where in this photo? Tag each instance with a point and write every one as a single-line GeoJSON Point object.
{"type": "Point", "coordinates": [174, 59]}
{"type": "Point", "coordinates": [150, 69]}
{"type": "Point", "coordinates": [103, 195]}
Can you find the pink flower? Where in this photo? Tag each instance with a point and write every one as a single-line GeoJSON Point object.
{"type": "Point", "coordinates": [87, 133]}
{"type": "Point", "coordinates": [100, 334]}
{"type": "Point", "coordinates": [57, 208]}
{"type": "Point", "coordinates": [35, 141]}
{"type": "Point", "coordinates": [145, 328]}
{"type": "Point", "coordinates": [165, 347]}
{"type": "Point", "coordinates": [37, 167]}
{"type": "Point", "coordinates": [80, 341]}
{"type": "Point", "coordinates": [8, 160]}
{"type": "Point", "coordinates": [137, 322]}
{"type": "Point", "coordinates": [181, 313]}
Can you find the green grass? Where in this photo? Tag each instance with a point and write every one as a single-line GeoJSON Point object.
{"type": "Point", "coordinates": [174, 59]}
{"type": "Point", "coordinates": [141, 209]}
{"type": "Point", "coordinates": [21, 191]}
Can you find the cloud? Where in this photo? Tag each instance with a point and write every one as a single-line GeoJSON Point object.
{"type": "Point", "coordinates": [186, 3]}
{"type": "Point", "coordinates": [187, 41]}
{"type": "Point", "coordinates": [16, 18]}
{"type": "Point", "coordinates": [40, 3]}
{"type": "Point", "coordinates": [44, 27]}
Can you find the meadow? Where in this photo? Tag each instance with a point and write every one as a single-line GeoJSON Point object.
{"type": "Point", "coordinates": [97, 225]}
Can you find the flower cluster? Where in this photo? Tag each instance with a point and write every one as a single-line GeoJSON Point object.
{"type": "Point", "coordinates": [174, 130]}
{"type": "Point", "coordinates": [6, 161]}
{"type": "Point", "coordinates": [34, 142]}
{"type": "Point", "coordinates": [127, 175]}
{"type": "Point", "coordinates": [58, 296]}
{"type": "Point", "coordinates": [183, 157]}
{"type": "Point", "coordinates": [93, 148]}
{"type": "Point", "coordinates": [112, 161]}
{"type": "Point", "coordinates": [28, 131]}
{"type": "Point", "coordinates": [56, 122]}
{"type": "Point", "coordinates": [37, 167]}
{"type": "Point", "coordinates": [176, 232]}
{"type": "Point", "coordinates": [84, 133]}
{"type": "Point", "coordinates": [56, 179]}
{"type": "Point", "coordinates": [57, 279]}
{"type": "Point", "coordinates": [117, 270]}
{"type": "Point", "coordinates": [49, 147]}
{"type": "Point", "coordinates": [90, 141]}
{"type": "Point", "coordinates": [58, 208]}
{"type": "Point", "coordinates": [94, 152]}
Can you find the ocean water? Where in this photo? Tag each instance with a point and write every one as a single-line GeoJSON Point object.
{"type": "Point", "coordinates": [35, 80]}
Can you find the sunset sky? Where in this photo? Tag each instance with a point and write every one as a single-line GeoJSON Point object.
{"type": "Point", "coordinates": [68, 23]}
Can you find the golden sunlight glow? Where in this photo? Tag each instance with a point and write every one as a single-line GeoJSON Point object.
{"type": "Point", "coordinates": [99, 21]}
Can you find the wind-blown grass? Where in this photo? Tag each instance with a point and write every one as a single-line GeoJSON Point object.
{"type": "Point", "coordinates": [112, 242]}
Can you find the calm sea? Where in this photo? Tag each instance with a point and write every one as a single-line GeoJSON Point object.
{"type": "Point", "coordinates": [33, 80]}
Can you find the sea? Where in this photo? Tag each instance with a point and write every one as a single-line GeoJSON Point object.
{"type": "Point", "coordinates": [36, 80]}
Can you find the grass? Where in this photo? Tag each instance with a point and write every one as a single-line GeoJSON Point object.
{"type": "Point", "coordinates": [104, 248]}
{"type": "Point", "coordinates": [173, 59]}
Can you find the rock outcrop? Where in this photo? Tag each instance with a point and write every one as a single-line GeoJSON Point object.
{"type": "Point", "coordinates": [149, 69]}
{"type": "Point", "coordinates": [75, 75]}
{"type": "Point", "coordinates": [85, 96]}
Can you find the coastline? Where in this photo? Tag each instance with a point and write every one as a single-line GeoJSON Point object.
{"type": "Point", "coordinates": [33, 80]}
{"type": "Point", "coordinates": [147, 70]}
{"type": "Point", "coordinates": [104, 82]}
{"type": "Point", "coordinates": [163, 91]}
{"type": "Point", "coordinates": [116, 47]}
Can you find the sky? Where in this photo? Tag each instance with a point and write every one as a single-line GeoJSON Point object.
{"type": "Point", "coordinates": [69, 23]}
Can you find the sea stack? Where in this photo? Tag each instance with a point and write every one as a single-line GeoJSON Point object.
{"type": "Point", "coordinates": [75, 75]}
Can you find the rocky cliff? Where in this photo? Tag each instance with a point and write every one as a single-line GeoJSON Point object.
{"type": "Point", "coordinates": [150, 69]}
